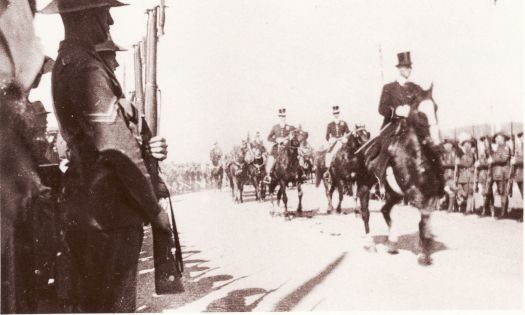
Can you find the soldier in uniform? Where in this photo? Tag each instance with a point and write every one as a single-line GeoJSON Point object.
{"type": "Point", "coordinates": [336, 133]}
{"type": "Point", "coordinates": [109, 193]}
{"type": "Point", "coordinates": [280, 134]}
{"type": "Point", "coordinates": [448, 160]}
{"type": "Point", "coordinates": [465, 163]}
{"type": "Point", "coordinates": [499, 164]}
{"type": "Point", "coordinates": [108, 51]}
{"type": "Point", "coordinates": [517, 161]}
{"type": "Point", "coordinates": [482, 166]}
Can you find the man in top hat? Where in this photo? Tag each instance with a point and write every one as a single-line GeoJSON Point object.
{"type": "Point", "coordinates": [336, 133]}
{"type": "Point", "coordinates": [448, 160]}
{"type": "Point", "coordinates": [466, 179]}
{"type": "Point", "coordinates": [280, 134]}
{"type": "Point", "coordinates": [499, 162]}
{"type": "Point", "coordinates": [108, 190]}
{"type": "Point", "coordinates": [397, 96]}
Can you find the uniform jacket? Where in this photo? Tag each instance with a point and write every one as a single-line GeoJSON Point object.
{"type": "Point", "coordinates": [500, 163]}
{"type": "Point", "coordinates": [448, 159]}
{"type": "Point", "coordinates": [336, 130]}
{"type": "Point", "coordinates": [395, 94]}
{"type": "Point", "coordinates": [278, 131]}
{"type": "Point", "coordinates": [483, 168]}
{"type": "Point", "coordinates": [107, 184]}
{"type": "Point", "coordinates": [466, 168]}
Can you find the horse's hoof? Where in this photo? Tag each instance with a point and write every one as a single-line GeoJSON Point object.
{"type": "Point", "coordinates": [392, 248]}
{"type": "Point", "coordinates": [424, 260]}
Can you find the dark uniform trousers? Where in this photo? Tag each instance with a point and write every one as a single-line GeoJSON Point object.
{"type": "Point", "coordinates": [108, 191]}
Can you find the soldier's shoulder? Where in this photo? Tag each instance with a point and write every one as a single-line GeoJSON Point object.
{"type": "Point", "coordinates": [390, 85]}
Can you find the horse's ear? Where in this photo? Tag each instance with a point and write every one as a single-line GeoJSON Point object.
{"type": "Point", "coordinates": [430, 89]}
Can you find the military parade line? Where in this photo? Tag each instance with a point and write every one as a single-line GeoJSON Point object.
{"type": "Point", "coordinates": [75, 201]}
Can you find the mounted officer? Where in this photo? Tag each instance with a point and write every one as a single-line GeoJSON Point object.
{"type": "Point", "coordinates": [465, 179]}
{"type": "Point", "coordinates": [395, 101]}
{"type": "Point", "coordinates": [336, 133]}
{"type": "Point", "coordinates": [215, 154]}
{"type": "Point", "coordinates": [499, 164]}
{"type": "Point", "coordinates": [259, 151]}
{"type": "Point", "coordinates": [109, 193]}
{"type": "Point", "coordinates": [281, 133]}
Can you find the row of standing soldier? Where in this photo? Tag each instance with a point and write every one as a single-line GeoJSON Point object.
{"type": "Point", "coordinates": [488, 165]}
{"type": "Point", "coordinates": [71, 237]}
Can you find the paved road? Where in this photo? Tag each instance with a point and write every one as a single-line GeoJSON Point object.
{"type": "Point", "coordinates": [239, 258]}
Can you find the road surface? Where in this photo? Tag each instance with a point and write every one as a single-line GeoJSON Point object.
{"type": "Point", "coordinates": [240, 258]}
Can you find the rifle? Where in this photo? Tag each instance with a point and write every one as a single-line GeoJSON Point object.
{"type": "Point", "coordinates": [168, 267]}
{"type": "Point", "coordinates": [510, 181]}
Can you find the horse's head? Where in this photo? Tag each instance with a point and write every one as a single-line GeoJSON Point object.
{"type": "Point", "coordinates": [423, 116]}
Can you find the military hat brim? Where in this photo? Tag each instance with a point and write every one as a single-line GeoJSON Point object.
{"type": "Point", "coordinates": [68, 6]}
{"type": "Point", "coordinates": [500, 134]}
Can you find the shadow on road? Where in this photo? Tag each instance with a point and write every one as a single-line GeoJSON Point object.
{"type": "Point", "coordinates": [235, 301]}
{"type": "Point", "coordinates": [196, 286]}
{"type": "Point", "coordinates": [410, 242]}
{"type": "Point", "coordinates": [292, 299]}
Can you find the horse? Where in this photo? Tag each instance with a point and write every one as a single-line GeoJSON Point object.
{"type": "Point", "coordinates": [344, 168]}
{"type": "Point", "coordinates": [413, 172]}
{"type": "Point", "coordinates": [286, 170]}
{"type": "Point", "coordinates": [237, 173]}
{"type": "Point", "coordinates": [256, 172]}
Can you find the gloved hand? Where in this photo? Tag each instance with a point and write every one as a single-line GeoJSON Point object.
{"type": "Point", "coordinates": [403, 110]}
{"type": "Point", "coordinates": [158, 148]}
{"type": "Point", "coordinates": [513, 160]}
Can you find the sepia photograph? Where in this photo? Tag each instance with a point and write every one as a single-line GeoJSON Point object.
{"type": "Point", "coordinates": [187, 156]}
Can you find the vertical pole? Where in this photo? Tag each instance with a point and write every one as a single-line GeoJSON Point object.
{"type": "Point", "coordinates": [151, 72]}
{"type": "Point", "coordinates": [139, 86]}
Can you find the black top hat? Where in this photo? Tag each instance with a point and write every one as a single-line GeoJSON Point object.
{"type": "Point", "coordinates": [109, 45]}
{"type": "Point", "coordinates": [282, 112]}
{"type": "Point", "coordinates": [403, 59]}
{"type": "Point", "coordinates": [335, 109]}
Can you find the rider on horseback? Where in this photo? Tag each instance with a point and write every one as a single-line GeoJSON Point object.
{"type": "Point", "coordinates": [259, 151]}
{"type": "Point", "coordinates": [215, 153]}
{"type": "Point", "coordinates": [336, 134]}
{"type": "Point", "coordinates": [396, 98]}
{"type": "Point", "coordinates": [280, 134]}
{"type": "Point", "coordinates": [305, 151]}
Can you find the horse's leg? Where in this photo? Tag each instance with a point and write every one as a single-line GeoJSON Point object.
{"type": "Point", "coordinates": [241, 189]}
{"type": "Point", "coordinates": [364, 196]}
{"type": "Point", "coordinates": [425, 235]}
{"type": "Point", "coordinates": [391, 199]}
{"type": "Point", "coordinates": [300, 195]}
{"type": "Point", "coordinates": [341, 192]}
{"type": "Point", "coordinates": [329, 194]}
{"type": "Point", "coordinates": [284, 196]}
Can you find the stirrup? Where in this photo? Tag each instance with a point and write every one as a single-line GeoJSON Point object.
{"type": "Point", "coordinates": [267, 179]}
